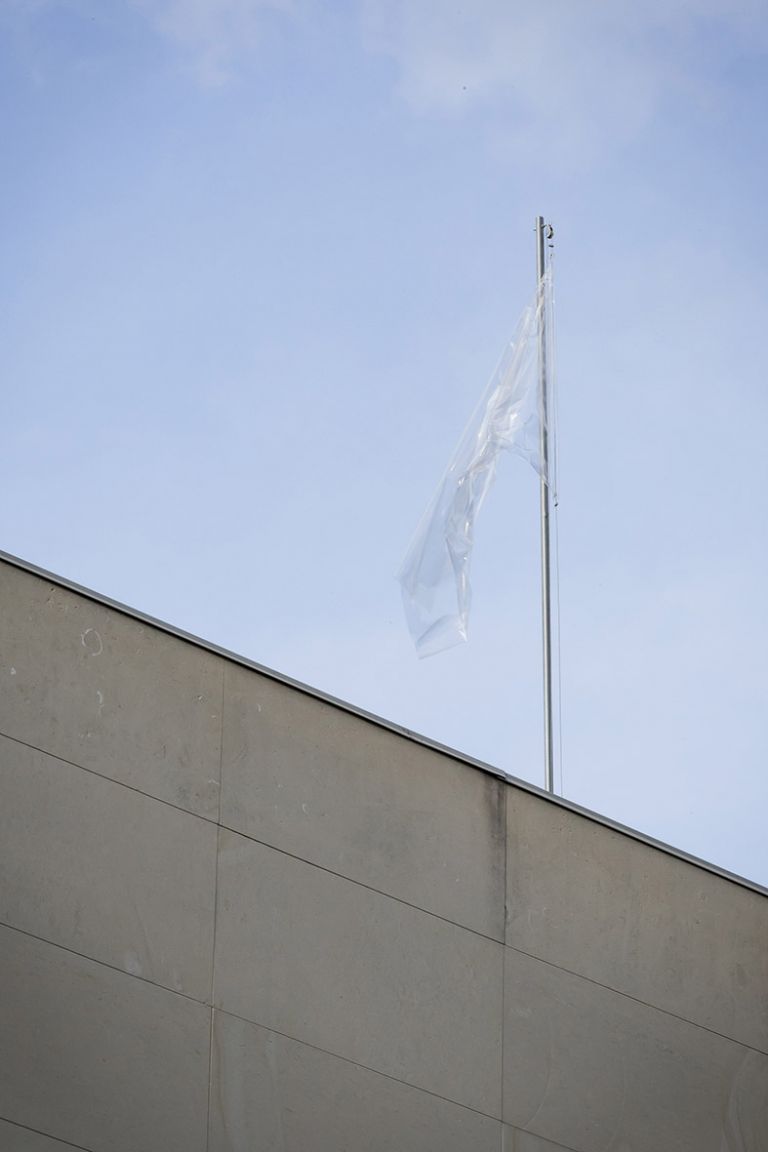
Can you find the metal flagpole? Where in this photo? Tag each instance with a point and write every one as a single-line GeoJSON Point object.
{"type": "Point", "coordinates": [546, 615]}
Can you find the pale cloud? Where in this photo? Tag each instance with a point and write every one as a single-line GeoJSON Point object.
{"type": "Point", "coordinates": [579, 71]}
{"type": "Point", "coordinates": [217, 37]}
{"type": "Point", "coordinates": [217, 40]}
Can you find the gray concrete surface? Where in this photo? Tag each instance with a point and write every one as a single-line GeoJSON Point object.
{"type": "Point", "coordinates": [406, 953]}
{"type": "Point", "coordinates": [13, 1138]}
{"type": "Point", "coordinates": [276, 1095]}
{"type": "Point", "coordinates": [97, 1057]}
{"type": "Point", "coordinates": [334, 789]}
{"type": "Point", "coordinates": [89, 685]}
{"type": "Point", "coordinates": [121, 878]}
{"type": "Point", "coordinates": [637, 920]}
{"type": "Point", "coordinates": [516, 1140]}
{"type": "Point", "coordinates": [361, 975]}
{"type": "Point", "coordinates": [16, 1139]}
{"type": "Point", "coordinates": [590, 1068]}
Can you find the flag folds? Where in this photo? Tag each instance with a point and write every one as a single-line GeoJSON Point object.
{"type": "Point", "coordinates": [434, 577]}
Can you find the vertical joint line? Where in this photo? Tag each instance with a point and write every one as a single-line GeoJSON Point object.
{"type": "Point", "coordinates": [215, 909]}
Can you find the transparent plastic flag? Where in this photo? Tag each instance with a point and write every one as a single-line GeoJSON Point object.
{"type": "Point", "coordinates": [434, 576]}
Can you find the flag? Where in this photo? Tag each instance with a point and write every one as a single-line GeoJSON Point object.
{"type": "Point", "coordinates": [434, 576]}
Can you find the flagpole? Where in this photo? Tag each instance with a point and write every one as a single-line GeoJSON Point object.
{"type": "Point", "coordinates": [546, 615]}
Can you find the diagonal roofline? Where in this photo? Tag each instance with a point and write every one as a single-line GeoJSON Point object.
{"type": "Point", "coordinates": [398, 729]}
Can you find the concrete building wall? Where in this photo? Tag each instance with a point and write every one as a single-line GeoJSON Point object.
{"type": "Point", "coordinates": [235, 917]}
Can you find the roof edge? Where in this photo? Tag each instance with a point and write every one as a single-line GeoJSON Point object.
{"type": "Point", "coordinates": [398, 729]}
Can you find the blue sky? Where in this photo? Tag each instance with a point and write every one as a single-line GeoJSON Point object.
{"type": "Point", "coordinates": [258, 263]}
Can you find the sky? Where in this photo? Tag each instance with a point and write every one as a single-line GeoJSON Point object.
{"type": "Point", "coordinates": [259, 260]}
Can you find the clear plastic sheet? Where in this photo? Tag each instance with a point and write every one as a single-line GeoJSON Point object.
{"type": "Point", "coordinates": [434, 577]}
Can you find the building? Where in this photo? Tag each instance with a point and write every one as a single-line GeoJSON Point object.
{"type": "Point", "coordinates": [239, 916]}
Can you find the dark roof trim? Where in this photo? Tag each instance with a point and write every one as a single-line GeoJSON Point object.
{"type": "Point", "coordinates": [524, 785]}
